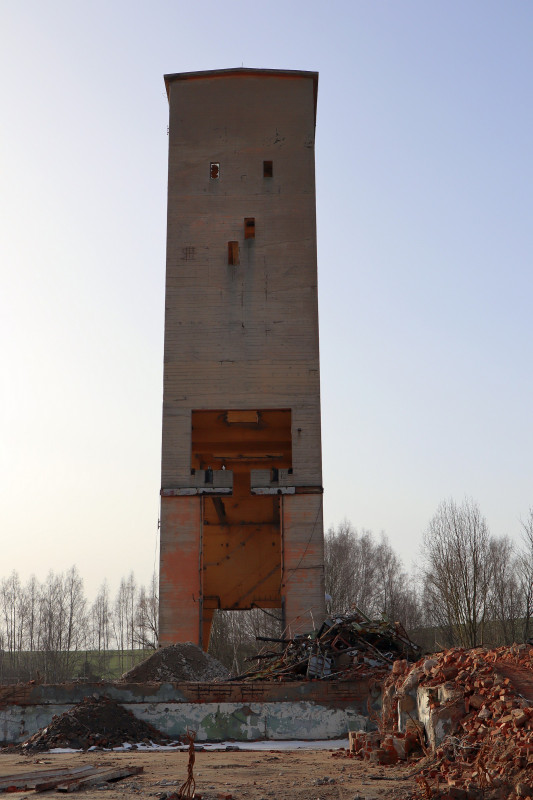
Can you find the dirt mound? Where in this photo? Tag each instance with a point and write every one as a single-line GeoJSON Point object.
{"type": "Point", "coordinates": [177, 662]}
{"type": "Point", "coordinates": [99, 722]}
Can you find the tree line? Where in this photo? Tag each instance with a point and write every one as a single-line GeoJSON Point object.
{"type": "Point", "coordinates": [476, 588]}
{"type": "Point", "coordinates": [47, 629]}
{"type": "Point", "coordinates": [469, 588]}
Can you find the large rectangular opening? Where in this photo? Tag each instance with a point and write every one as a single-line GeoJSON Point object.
{"type": "Point", "coordinates": [241, 534]}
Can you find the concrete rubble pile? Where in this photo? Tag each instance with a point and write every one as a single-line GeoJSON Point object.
{"type": "Point", "coordinates": [346, 647]}
{"type": "Point", "coordinates": [95, 722]}
{"type": "Point", "coordinates": [467, 715]}
{"type": "Point", "coordinates": [183, 661]}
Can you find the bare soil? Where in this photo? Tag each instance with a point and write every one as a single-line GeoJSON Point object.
{"type": "Point", "coordinates": [246, 775]}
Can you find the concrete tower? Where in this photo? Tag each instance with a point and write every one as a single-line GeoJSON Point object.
{"type": "Point", "coordinates": [241, 497]}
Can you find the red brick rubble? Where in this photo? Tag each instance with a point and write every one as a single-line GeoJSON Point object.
{"type": "Point", "coordinates": [479, 728]}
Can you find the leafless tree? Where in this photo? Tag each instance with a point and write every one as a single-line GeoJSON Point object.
{"type": "Point", "coordinates": [101, 619]}
{"type": "Point", "coordinates": [233, 635]}
{"type": "Point", "coordinates": [458, 570]}
{"type": "Point", "coordinates": [125, 620]}
{"type": "Point", "coordinates": [101, 632]}
{"type": "Point", "coordinates": [119, 620]}
{"type": "Point", "coordinates": [525, 573]}
{"type": "Point", "coordinates": [131, 594]}
{"type": "Point", "coordinates": [506, 606]}
{"type": "Point", "coordinates": [147, 616]}
{"type": "Point", "coordinates": [351, 569]}
{"type": "Point", "coordinates": [62, 625]}
{"type": "Point", "coordinates": [398, 591]}
{"type": "Point", "coordinates": [51, 611]}
{"type": "Point", "coordinates": [75, 619]}
{"type": "Point", "coordinates": [368, 574]}
{"type": "Point", "coordinates": [31, 599]}
{"type": "Point", "coordinates": [12, 612]}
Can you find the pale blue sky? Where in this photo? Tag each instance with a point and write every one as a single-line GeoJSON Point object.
{"type": "Point", "coordinates": [424, 199]}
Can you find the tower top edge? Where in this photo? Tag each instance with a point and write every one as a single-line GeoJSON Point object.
{"type": "Point", "coordinates": [238, 72]}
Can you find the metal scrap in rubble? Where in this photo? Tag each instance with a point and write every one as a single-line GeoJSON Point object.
{"type": "Point", "coordinates": [346, 647]}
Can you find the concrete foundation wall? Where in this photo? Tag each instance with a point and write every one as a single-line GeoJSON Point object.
{"type": "Point", "coordinates": [244, 712]}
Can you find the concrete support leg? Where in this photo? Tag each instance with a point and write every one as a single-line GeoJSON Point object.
{"type": "Point", "coordinates": [180, 577]}
{"type": "Point", "coordinates": [303, 562]}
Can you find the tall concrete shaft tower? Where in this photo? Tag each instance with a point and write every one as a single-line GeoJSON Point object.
{"type": "Point", "coordinates": [241, 497]}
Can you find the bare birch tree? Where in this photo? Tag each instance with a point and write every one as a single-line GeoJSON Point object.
{"type": "Point", "coordinates": [119, 621]}
{"type": "Point", "coordinates": [12, 613]}
{"type": "Point", "coordinates": [147, 616]}
{"type": "Point", "coordinates": [101, 632]}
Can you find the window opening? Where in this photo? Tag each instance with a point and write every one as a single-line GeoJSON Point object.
{"type": "Point", "coordinates": [214, 170]}
{"type": "Point", "coordinates": [249, 227]}
{"type": "Point", "coordinates": [233, 253]}
{"type": "Point", "coordinates": [268, 169]}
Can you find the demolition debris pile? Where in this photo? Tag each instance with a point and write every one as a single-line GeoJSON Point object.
{"type": "Point", "coordinates": [95, 722]}
{"type": "Point", "coordinates": [347, 647]}
{"type": "Point", "coordinates": [177, 662]}
{"type": "Point", "coordinates": [478, 719]}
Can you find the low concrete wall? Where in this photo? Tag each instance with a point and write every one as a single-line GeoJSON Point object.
{"type": "Point", "coordinates": [217, 711]}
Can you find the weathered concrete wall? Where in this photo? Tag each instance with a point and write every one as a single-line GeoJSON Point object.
{"type": "Point", "coordinates": [243, 712]}
{"type": "Point", "coordinates": [440, 719]}
{"type": "Point", "coordinates": [438, 708]}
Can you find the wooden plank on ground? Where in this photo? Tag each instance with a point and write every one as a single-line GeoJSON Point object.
{"type": "Point", "coordinates": [28, 780]}
{"type": "Point", "coordinates": [102, 776]}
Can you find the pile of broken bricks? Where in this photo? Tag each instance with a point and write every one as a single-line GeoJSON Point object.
{"type": "Point", "coordinates": [478, 715]}
{"type": "Point", "coordinates": [385, 749]}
